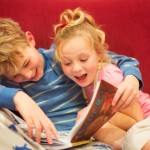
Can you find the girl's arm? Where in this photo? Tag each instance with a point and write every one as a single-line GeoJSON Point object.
{"type": "Point", "coordinates": [128, 116]}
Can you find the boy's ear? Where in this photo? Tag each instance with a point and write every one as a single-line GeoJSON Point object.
{"type": "Point", "coordinates": [30, 38]}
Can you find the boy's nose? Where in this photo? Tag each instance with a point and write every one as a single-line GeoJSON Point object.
{"type": "Point", "coordinates": [27, 74]}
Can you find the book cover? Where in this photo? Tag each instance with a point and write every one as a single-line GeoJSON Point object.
{"type": "Point", "coordinates": [100, 111]}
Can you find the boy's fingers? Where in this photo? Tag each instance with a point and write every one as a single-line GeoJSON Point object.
{"type": "Point", "coordinates": [38, 136]}
{"type": "Point", "coordinates": [50, 129]}
{"type": "Point", "coordinates": [48, 136]}
{"type": "Point", "coordinates": [53, 130]}
{"type": "Point", "coordinates": [38, 130]}
{"type": "Point", "coordinates": [30, 129]}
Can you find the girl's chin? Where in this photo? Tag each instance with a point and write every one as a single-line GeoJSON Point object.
{"type": "Point", "coordinates": [82, 84]}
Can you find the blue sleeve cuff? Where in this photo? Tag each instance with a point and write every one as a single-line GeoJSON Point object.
{"type": "Point", "coordinates": [128, 65]}
{"type": "Point", "coordinates": [7, 97]}
{"type": "Point", "coordinates": [135, 72]}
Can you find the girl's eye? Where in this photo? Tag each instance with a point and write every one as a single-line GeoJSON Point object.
{"type": "Point", "coordinates": [83, 60]}
{"type": "Point", "coordinates": [67, 64]}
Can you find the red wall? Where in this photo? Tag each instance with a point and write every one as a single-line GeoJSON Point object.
{"type": "Point", "coordinates": [126, 23]}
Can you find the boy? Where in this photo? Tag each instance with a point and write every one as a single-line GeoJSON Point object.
{"type": "Point", "coordinates": [26, 71]}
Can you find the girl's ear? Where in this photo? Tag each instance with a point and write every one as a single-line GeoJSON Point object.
{"type": "Point", "coordinates": [30, 38]}
{"type": "Point", "coordinates": [99, 55]}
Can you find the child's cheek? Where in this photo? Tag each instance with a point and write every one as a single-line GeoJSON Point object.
{"type": "Point", "coordinates": [34, 63]}
{"type": "Point", "coordinates": [18, 79]}
{"type": "Point", "coordinates": [66, 71]}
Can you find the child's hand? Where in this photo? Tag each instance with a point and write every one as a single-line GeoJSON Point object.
{"type": "Point", "coordinates": [127, 92]}
{"type": "Point", "coordinates": [34, 117]}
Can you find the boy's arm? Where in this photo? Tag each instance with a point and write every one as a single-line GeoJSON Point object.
{"type": "Point", "coordinates": [128, 91]}
{"type": "Point", "coordinates": [128, 65]}
{"type": "Point", "coordinates": [6, 97]}
{"type": "Point", "coordinates": [33, 115]}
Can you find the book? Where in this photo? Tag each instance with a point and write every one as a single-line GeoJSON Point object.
{"type": "Point", "coordinates": [97, 114]}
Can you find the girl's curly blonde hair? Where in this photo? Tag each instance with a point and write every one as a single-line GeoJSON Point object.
{"type": "Point", "coordinates": [79, 23]}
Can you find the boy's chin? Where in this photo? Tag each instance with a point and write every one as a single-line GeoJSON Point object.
{"type": "Point", "coordinates": [38, 77]}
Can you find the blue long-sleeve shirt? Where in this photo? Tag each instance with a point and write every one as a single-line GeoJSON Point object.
{"type": "Point", "coordinates": [58, 96]}
{"type": "Point", "coordinates": [128, 65]}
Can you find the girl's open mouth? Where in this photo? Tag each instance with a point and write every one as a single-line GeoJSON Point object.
{"type": "Point", "coordinates": [81, 77]}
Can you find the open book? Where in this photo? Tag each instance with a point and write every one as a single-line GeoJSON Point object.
{"type": "Point", "coordinates": [98, 113]}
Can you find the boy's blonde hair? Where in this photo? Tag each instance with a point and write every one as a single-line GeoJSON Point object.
{"type": "Point", "coordinates": [79, 23]}
{"type": "Point", "coordinates": [12, 38]}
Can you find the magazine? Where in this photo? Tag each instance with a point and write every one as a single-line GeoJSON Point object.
{"type": "Point", "coordinates": [98, 113]}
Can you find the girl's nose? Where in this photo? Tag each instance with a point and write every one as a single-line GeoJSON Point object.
{"type": "Point", "coordinates": [76, 68]}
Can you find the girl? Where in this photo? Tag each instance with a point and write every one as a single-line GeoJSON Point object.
{"type": "Point", "coordinates": [81, 50]}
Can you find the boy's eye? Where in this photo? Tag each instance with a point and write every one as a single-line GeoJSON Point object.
{"type": "Point", "coordinates": [12, 77]}
{"type": "Point", "coordinates": [15, 76]}
{"type": "Point", "coordinates": [26, 64]}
